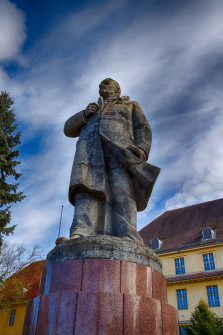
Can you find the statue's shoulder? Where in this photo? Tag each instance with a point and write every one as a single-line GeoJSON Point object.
{"type": "Point", "coordinates": [125, 100]}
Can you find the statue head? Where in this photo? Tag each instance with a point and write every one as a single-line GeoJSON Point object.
{"type": "Point", "coordinates": [109, 87]}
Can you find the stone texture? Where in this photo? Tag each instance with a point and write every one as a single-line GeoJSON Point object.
{"type": "Point", "coordinates": [104, 247]}
{"type": "Point", "coordinates": [142, 316]}
{"type": "Point", "coordinates": [103, 297]}
{"type": "Point", "coordinates": [66, 313]}
{"type": "Point", "coordinates": [105, 275]}
{"type": "Point", "coordinates": [99, 314]}
{"type": "Point", "coordinates": [159, 286]}
{"type": "Point", "coordinates": [170, 319]}
{"type": "Point", "coordinates": [110, 179]}
{"type": "Point", "coordinates": [28, 323]}
{"type": "Point", "coordinates": [31, 317]}
{"type": "Point", "coordinates": [48, 279]}
{"type": "Point", "coordinates": [47, 317]}
{"type": "Point", "coordinates": [67, 276]}
{"type": "Point", "coordinates": [42, 282]}
{"type": "Point", "coordinates": [136, 279]}
{"type": "Point", "coordinates": [101, 275]}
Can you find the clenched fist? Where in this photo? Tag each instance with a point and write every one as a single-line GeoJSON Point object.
{"type": "Point", "coordinates": [91, 109]}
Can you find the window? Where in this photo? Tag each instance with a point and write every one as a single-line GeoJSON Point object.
{"type": "Point", "coordinates": [207, 234]}
{"type": "Point", "coordinates": [182, 299]}
{"type": "Point", "coordinates": [155, 243]}
{"type": "Point", "coordinates": [213, 297]}
{"type": "Point", "coordinates": [182, 331]}
{"type": "Point", "coordinates": [12, 318]}
{"type": "Point", "coordinates": [208, 262]}
{"type": "Point", "coordinates": [179, 266]}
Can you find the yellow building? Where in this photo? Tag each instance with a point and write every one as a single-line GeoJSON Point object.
{"type": "Point", "coordinates": [25, 282]}
{"type": "Point", "coordinates": [11, 321]}
{"type": "Point", "coordinates": [189, 242]}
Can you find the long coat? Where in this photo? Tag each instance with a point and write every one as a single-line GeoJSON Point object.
{"type": "Point", "coordinates": [117, 126]}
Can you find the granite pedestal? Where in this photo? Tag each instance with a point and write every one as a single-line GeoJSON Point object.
{"type": "Point", "coordinates": [92, 295]}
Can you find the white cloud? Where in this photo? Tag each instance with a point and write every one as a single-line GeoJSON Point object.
{"type": "Point", "coordinates": [201, 170]}
{"type": "Point", "coordinates": [160, 58]}
{"type": "Point", "coordinates": [156, 60]}
{"type": "Point", "coordinates": [3, 80]}
{"type": "Point", "coordinates": [50, 87]}
{"type": "Point", "coordinates": [45, 182]}
{"type": "Point", "coordinates": [12, 30]}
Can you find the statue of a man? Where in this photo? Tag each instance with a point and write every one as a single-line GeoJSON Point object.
{"type": "Point", "coordinates": [110, 179]}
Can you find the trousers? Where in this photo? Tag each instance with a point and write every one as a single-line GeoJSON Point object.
{"type": "Point", "coordinates": [116, 214]}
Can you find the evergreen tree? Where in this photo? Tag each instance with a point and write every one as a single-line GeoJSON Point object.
{"type": "Point", "coordinates": [9, 139]}
{"type": "Point", "coordinates": [204, 322]}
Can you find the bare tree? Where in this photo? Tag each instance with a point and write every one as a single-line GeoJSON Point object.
{"type": "Point", "coordinates": [18, 267]}
{"type": "Point", "coordinates": [15, 256]}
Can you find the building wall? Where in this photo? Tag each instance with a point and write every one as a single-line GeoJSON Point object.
{"type": "Point", "coordinates": [193, 259]}
{"type": "Point", "coordinates": [16, 329]}
{"type": "Point", "coordinates": [196, 290]}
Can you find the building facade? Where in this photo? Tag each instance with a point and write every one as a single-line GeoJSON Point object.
{"type": "Point", "coordinates": [20, 288]}
{"type": "Point", "coordinates": [189, 242]}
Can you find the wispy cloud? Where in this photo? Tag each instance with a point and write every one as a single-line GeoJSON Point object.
{"type": "Point", "coordinates": [201, 170]}
{"type": "Point", "coordinates": [167, 61]}
{"type": "Point", "coordinates": [12, 30]}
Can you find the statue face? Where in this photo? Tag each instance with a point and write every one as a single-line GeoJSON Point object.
{"type": "Point", "coordinates": [107, 88]}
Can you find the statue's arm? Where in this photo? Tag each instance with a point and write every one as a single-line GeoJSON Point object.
{"type": "Point", "coordinates": [141, 130]}
{"type": "Point", "coordinates": [74, 124]}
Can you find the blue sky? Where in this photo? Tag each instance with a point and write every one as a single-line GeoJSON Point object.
{"type": "Point", "coordinates": [167, 55]}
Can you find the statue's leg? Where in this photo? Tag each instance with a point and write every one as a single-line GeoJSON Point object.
{"type": "Point", "coordinates": [123, 201]}
{"type": "Point", "coordinates": [86, 215]}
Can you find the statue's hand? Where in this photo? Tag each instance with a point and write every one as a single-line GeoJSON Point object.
{"type": "Point", "coordinates": [138, 152]}
{"type": "Point", "coordinates": [91, 109]}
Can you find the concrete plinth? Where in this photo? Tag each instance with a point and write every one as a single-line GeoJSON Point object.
{"type": "Point", "coordinates": [101, 296]}
{"type": "Point", "coordinates": [104, 247]}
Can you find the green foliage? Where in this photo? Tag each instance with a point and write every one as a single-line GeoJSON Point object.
{"type": "Point", "coordinates": [9, 139]}
{"type": "Point", "coordinates": [204, 322]}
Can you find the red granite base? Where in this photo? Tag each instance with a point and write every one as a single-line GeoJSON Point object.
{"type": "Point", "coordinates": [103, 297]}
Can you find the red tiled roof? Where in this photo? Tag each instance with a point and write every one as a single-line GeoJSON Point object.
{"type": "Point", "coordinates": [27, 279]}
{"type": "Point", "coordinates": [183, 227]}
{"type": "Point", "coordinates": [31, 277]}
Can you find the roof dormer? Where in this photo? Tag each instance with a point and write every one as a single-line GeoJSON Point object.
{"type": "Point", "coordinates": [208, 234]}
{"type": "Point", "coordinates": [155, 243]}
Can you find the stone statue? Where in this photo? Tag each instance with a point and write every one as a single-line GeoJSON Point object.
{"type": "Point", "coordinates": [110, 179]}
